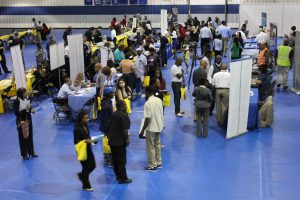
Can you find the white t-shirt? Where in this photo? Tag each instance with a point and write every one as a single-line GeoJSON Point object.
{"type": "Point", "coordinates": [221, 79]}
{"type": "Point", "coordinates": [218, 44]}
{"type": "Point", "coordinates": [176, 70]}
{"type": "Point", "coordinates": [205, 32]}
{"type": "Point", "coordinates": [65, 91]}
{"type": "Point", "coordinates": [262, 37]}
{"type": "Point", "coordinates": [153, 109]}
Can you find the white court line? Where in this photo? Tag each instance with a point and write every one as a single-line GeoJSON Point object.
{"type": "Point", "coordinates": [16, 191]}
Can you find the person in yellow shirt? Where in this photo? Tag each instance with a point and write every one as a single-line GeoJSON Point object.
{"type": "Point", "coordinates": [284, 55]}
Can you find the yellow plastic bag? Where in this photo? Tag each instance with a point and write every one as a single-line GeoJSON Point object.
{"type": "Point", "coordinates": [0, 57]}
{"type": "Point", "coordinates": [128, 105]}
{"type": "Point", "coordinates": [167, 100]}
{"type": "Point", "coordinates": [94, 111]}
{"type": "Point", "coordinates": [106, 147]}
{"type": "Point", "coordinates": [146, 81]}
{"type": "Point", "coordinates": [99, 103]}
{"type": "Point", "coordinates": [183, 94]}
{"type": "Point", "coordinates": [81, 150]}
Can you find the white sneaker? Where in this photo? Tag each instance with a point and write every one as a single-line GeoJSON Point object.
{"type": "Point", "coordinates": [179, 115]}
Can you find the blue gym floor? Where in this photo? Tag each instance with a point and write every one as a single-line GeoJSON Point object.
{"type": "Point", "coordinates": [260, 165]}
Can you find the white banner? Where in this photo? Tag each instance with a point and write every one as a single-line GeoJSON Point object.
{"type": "Point", "coordinates": [239, 97]}
{"type": "Point", "coordinates": [75, 43]}
{"type": "Point", "coordinates": [57, 55]}
{"type": "Point", "coordinates": [18, 67]}
{"type": "Point", "coordinates": [163, 21]}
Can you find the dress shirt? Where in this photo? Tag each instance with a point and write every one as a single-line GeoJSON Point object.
{"type": "Point", "coordinates": [225, 32]}
{"type": "Point", "coordinates": [113, 34]}
{"type": "Point", "coordinates": [218, 44]}
{"type": "Point", "coordinates": [262, 37]}
{"type": "Point", "coordinates": [64, 91]}
{"type": "Point", "coordinates": [205, 32]}
{"type": "Point", "coordinates": [140, 65]}
{"type": "Point", "coordinates": [211, 71]}
{"type": "Point", "coordinates": [176, 70]}
{"type": "Point", "coordinates": [153, 110]}
{"type": "Point", "coordinates": [221, 79]}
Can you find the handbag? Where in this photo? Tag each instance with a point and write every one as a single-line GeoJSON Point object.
{"type": "Point", "coordinates": [99, 103]}
{"type": "Point", "coordinates": [106, 147]}
{"type": "Point", "coordinates": [167, 99]}
{"type": "Point", "coordinates": [24, 125]}
{"type": "Point", "coordinates": [183, 94]}
{"type": "Point", "coordinates": [146, 82]}
{"type": "Point", "coordinates": [128, 105]}
{"type": "Point", "coordinates": [81, 150]}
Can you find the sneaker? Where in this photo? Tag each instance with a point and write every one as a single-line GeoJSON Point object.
{"type": "Point", "coordinates": [149, 169]}
{"type": "Point", "coordinates": [159, 166]}
{"type": "Point", "coordinates": [88, 189]}
{"type": "Point", "coordinates": [278, 85]}
{"type": "Point", "coordinates": [126, 181]}
{"type": "Point", "coordinates": [179, 115]}
{"type": "Point", "coordinates": [182, 112]}
{"type": "Point", "coordinates": [285, 87]}
{"type": "Point", "coordinates": [142, 136]}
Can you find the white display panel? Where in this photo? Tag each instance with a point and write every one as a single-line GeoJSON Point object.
{"type": "Point", "coordinates": [61, 54]}
{"type": "Point", "coordinates": [239, 97]}
{"type": "Point", "coordinates": [18, 67]}
{"type": "Point", "coordinates": [57, 55]}
{"type": "Point", "coordinates": [75, 43]}
{"type": "Point", "coordinates": [163, 21]}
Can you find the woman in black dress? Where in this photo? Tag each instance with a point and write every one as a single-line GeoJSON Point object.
{"type": "Point", "coordinates": [23, 110]}
{"type": "Point", "coordinates": [82, 132]}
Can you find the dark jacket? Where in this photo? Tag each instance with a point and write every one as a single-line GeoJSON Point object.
{"type": "Point", "coordinates": [120, 122]}
{"type": "Point", "coordinates": [203, 97]}
{"type": "Point", "coordinates": [163, 42]}
{"type": "Point", "coordinates": [22, 115]}
{"type": "Point", "coordinates": [197, 75]}
{"type": "Point", "coordinates": [81, 134]}
{"type": "Point", "coordinates": [105, 115]}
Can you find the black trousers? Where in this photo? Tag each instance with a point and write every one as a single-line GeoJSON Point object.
{"type": "Point", "coordinates": [212, 104]}
{"type": "Point", "coordinates": [3, 63]}
{"type": "Point", "coordinates": [119, 160]}
{"type": "Point", "coordinates": [177, 95]}
{"type": "Point", "coordinates": [87, 167]}
{"type": "Point", "coordinates": [204, 41]}
{"type": "Point", "coordinates": [163, 54]}
{"type": "Point", "coordinates": [26, 145]}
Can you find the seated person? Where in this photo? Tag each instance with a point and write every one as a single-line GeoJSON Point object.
{"type": "Point", "coordinates": [263, 82]}
{"type": "Point", "coordinates": [79, 81]}
{"type": "Point", "coordinates": [266, 112]}
{"type": "Point", "coordinates": [123, 91]}
{"type": "Point", "coordinates": [66, 90]}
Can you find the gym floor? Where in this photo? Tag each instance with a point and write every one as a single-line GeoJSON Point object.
{"type": "Point", "coordinates": [260, 165]}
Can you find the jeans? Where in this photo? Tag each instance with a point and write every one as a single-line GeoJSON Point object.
{"type": "Point", "coordinates": [153, 149]}
{"type": "Point", "coordinates": [177, 95]}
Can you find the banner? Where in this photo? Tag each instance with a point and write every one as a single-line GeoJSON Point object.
{"type": "Point", "coordinates": [18, 66]}
{"type": "Point", "coordinates": [163, 21]}
{"type": "Point", "coordinates": [239, 97]}
{"type": "Point", "coordinates": [264, 19]}
{"type": "Point", "coordinates": [76, 55]}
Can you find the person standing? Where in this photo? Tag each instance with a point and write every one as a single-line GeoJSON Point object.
{"type": "Point", "coordinates": [221, 81]}
{"type": "Point", "coordinates": [82, 133]}
{"type": "Point", "coordinates": [205, 37]}
{"type": "Point", "coordinates": [2, 58]}
{"type": "Point", "coordinates": [153, 125]}
{"type": "Point", "coordinates": [119, 54]}
{"type": "Point", "coordinates": [163, 48]}
{"type": "Point", "coordinates": [67, 32]}
{"type": "Point", "coordinates": [262, 37]}
{"type": "Point", "coordinates": [226, 36]}
{"type": "Point", "coordinates": [118, 138]}
{"type": "Point", "coordinates": [40, 56]}
{"type": "Point", "coordinates": [52, 40]}
{"type": "Point", "coordinates": [218, 45]}
{"type": "Point", "coordinates": [263, 56]}
{"type": "Point", "coordinates": [203, 100]}
{"type": "Point", "coordinates": [23, 110]}
{"type": "Point", "coordinates": [284, 56]}
{"type": "Point", "coordinates": [140, 66]}
{"type": "Point", "coordinates": [178, 81]}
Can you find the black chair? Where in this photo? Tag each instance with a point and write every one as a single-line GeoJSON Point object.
{"type": "Point", "coordinates": [6, 99]}
{"type": "Point", "coordinates": [87, 107]}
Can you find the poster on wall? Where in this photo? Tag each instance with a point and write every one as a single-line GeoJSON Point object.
{"type": "Point", "coordinates": [264, 19]}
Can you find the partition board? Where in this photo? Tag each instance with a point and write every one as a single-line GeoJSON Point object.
{"type": "Point", "coordinates": [239, 97]}
{"type": "Point", "coordinates": [57, 55]}
{"type": "Point", "coordinates": [163, 21]}
{"type": "Point", "coordinates": [296, 81]}
{"type": "Point", "coordinates": [18, 67]}
{"type": "Point", "coordinates": [76, 55]}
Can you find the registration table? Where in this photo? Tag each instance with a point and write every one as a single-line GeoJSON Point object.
{"type": "Point", "coordinates": [77, 101]}
{"type": "Point", "coordinates": [253, 109]}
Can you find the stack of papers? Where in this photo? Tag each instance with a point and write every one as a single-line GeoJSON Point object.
{"type": "Point", "coordinates": [97, 138]}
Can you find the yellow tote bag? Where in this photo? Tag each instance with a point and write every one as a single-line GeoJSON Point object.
{"type": "Point", "coordinates": [81, 150]}
{"type": "Point", "coordinates": [128, 105]}
{"type": "Point", "coordinates": [106, 147]}
{"type": "Point", "coordinates": [99, 103]}
{"type": "Point", "coordinates": [183, 94]}
{"type": "Point", "coordinates": [146, 81]}
{"type": "Point", "coordinates": [167, 100]}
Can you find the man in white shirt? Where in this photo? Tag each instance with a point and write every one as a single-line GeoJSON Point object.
{"type": "Point", "coordinates": [178, 81]}
{"type": "Point", "coordinates": [221, 81]}
{"type": "Point", "coordinates": [205, 36]}
{"type": "Point", "coordinates": [153, 125]}
{"type": "Point", "coordinates": [262, 37]}
{"type": "Point", "coordinates": [66, 89]}
{"type": "Point", "coordinates": [113, 33]}
{"type": "Point", "coordinates": [140, 65]}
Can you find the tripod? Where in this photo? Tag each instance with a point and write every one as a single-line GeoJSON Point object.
{"type": "Point", "coordinates": [195, 57]}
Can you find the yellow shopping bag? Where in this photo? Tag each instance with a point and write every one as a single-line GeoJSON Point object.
{"type": "Point", "coordinates": [106, 147]}
{"type": "Point", "coordinates": [167, 99]}
{"type": "Point", "coordinates": [99, 103]}
{"type": "Point", "coordinates": [183, 94]}
{"type": "Point", "coordinates": [81, 150]}
{"type": "Point", "coordinates": [128, 105]}
{"type": "Point", "coordinates": [146, 81]}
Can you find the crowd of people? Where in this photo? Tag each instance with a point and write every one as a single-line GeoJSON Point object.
{"type": "Point", "coordinates": [138, 61]}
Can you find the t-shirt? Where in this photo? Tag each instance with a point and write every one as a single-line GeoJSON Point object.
{"type": "Point", "coordinates": [218, 44]}
{"type": "Point", "coordinates": [265, 80]}
{"type": "Point", "coordinates": [140, 65]}
{"type": "Point", "coordinates": [153, 110]}
{"type": "Point", "coordinates": [119, 123]}
{"type": "Point", "coordinates": [176, 70]}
